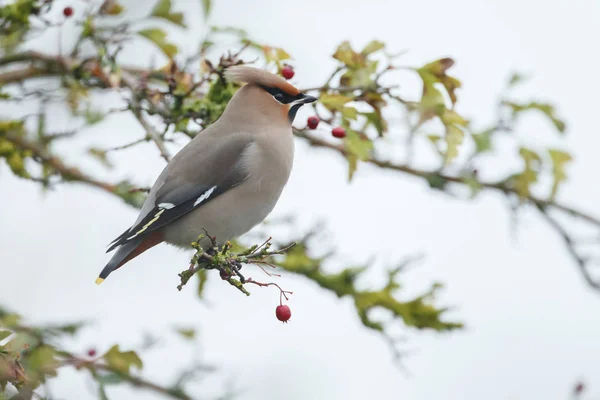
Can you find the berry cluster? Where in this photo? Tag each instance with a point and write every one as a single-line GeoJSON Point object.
{"type": "Point", "coordinates": [338, 132]}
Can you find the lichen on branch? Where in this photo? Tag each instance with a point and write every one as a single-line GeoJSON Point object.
{"type": "Point", "coordinates": [228, 262]}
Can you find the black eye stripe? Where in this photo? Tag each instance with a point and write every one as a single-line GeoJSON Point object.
{"type": "Point", "coordinates": [280, 95]}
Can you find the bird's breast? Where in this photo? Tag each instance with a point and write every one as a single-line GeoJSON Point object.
{"type": "Point", "coordinates": [241, 208]}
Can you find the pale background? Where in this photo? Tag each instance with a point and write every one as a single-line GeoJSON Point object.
{"type": "Point", "coordinates": [533, 327]}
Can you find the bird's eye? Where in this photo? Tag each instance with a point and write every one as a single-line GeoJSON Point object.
{"type": "Point", "coordinates": [279, 97]}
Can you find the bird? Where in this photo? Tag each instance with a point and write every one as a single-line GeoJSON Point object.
{"type": "Point", "coordinates": [228, 178]}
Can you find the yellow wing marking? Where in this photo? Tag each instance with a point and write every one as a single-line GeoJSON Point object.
{"type": "Point", "coordinates": [153, 220]}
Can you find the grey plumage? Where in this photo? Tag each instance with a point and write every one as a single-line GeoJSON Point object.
{"type": "Point", "coordinates": [228, 178]}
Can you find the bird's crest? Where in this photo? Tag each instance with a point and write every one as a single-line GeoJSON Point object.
{"type": "Point", "coordinates": [252, 75]}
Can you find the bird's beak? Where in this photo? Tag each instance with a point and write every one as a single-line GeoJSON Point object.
{"type": "Point", "coordinates": [306, 99]}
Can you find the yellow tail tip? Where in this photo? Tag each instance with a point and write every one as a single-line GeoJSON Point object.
{"type": "Point", "coordinates": [99, 281]}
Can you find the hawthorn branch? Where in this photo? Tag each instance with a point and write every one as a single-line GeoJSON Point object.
{"type": "Point", "coordinates": [570, 244]}
{"type": "Point", "coordinates": [229, 263]}
{"type": "Point", "coordinates": [499, 186]}
{"type": "Point", "coordinates": [68, 173]}
{"type": "Point", "coordinates": [15, 373]}
{"type": "Point", "coordinates": [137, 112]}
{"type": "Point", "coordinates": [44, 66]}
{"type": "Point", "coordinates": [95, 365]}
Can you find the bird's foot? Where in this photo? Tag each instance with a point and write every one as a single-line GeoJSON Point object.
{"type": "Point", "coordinates": [235, 267]}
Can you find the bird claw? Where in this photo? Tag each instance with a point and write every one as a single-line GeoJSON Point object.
{"type": "Point", "coordinates": [235, 267]}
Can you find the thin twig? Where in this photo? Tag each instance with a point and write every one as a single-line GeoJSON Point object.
{"type": "Point", "coordinates": [95, 364]}
{"type": "Point", "coordinates": [500, 186]}
{"type": "Point", "coordinates": [67, 172]}
{"type": "Point", "coordinates": [570, 245]}
{"type": "Point", "coordinates": [137, 111]}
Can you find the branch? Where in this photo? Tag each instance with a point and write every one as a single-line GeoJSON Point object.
{"type": "Point", "coordinates": [500, 186]}
{"type": "Point", "coordinates": [137, 111]}
{"type": "Point", "coordinates": [17, 367]}
{"type": "Point", "coordinates": [229, 263]}
{"type": "Point", "coordinates": [570, 245]}
{"type": "Point", "coordinates": [68, 173]}
{"type": "Point", "coordinates": [133, 380]}
{"type": "Point", "coordinates": [43, 65]}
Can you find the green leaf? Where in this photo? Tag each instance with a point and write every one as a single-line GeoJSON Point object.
{"type": "Point", "coordinates": [202, 278]}
{"type": "Point", "coordinates": [70, 329]}
{"type": "Point", "coordinates": [357, 148]}
{"type": "Point", "coordinates": [4, 334]}
{"type": "Point", "coordinates": [88, 27]}
{"type": "Point", "coordinates": [122, 361]}
{"type": "Point", "coordinates": [162, 9]}
{"type": "Point", "coordinates": [206, 7]}
{"type": "Point", "coordinates": [374, 118]}
{"type": "Point", "coordinates": [515, 79]}
{"type": "Point", "coordinates": [559, 159]}
{"type": "Point", "coordinates": [435, 72]}
{"type": "Point", "coordinates": [483, 140]}
{"type": "Point", "coordinates": [282, 54]}
{"type": "Point", "coordinates": [545, 108]}
{"type": "Point", "coordinates": [127, 192]}
{"type": "Point", "coordinates": [111, 7]}
{"type": "Point", "coordinates": [439, 67]}
{"type": "Point", "coordinates": [357, 77]}
{"type": "Point", "coordinates": [454, 138]}
{"type": "Point", "coordinates": [241, 33]}
{"type": "Point", "coordinates": [93, 117]}
{"type": "Point", "coordinates": [473, 184]}
{"type": "Point", "coordinates": [431, 104]}
{"type": "Point", "coordinates": [433, 138]}
{"type": "Point", "coordinates": [372, 47]}
{"type": "Point", "coordinates": [522, 182]}
{"type": "Point", "coordinates": [451, 117]}
{"type": "Point", "coordinates": [182, 125]}
{"type": "Point", "coordinates": [187, 333]}
{"type": "Point", "coordinates": [334, 101]}
{"type": "Point", "coordinates": [41, 362]}
{"type": "Point", "coordinates": [275, 54]}
{"type": "Point", "coordinates": [352, 165]}
{"type": "Point", "coordinates": [358, 145]}
{"type": "Point", "coordinates": [10, 319]}
{"type": "Point", "coordinates": [297, 259]}
{"type": "Point", "coordinates": [350, 113]}
{"type": "Point", "coordinates": [436, 181]}
{"type": "Point", "coordinates": [348, 56]}
{"type": "Point", "coordinates": [21, 341]}
{"type": "Point", "coordinates": [158, 36]}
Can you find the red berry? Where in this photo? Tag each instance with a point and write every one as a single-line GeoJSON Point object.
{"type": "Point", "coordinates": [287, 72]}
{"type": "Point", "coordinates": [579, 388]}
{"type": "Point", "coordinates": [91, 352]}
{"type": "Point", "coordinates": [68, 11]}
{"type": "Point", "coordinates": [283, 313]}
{"type": "Point", "coordinates": [313, 122]}
{"type": "Point", "coordinates": [338, 132]}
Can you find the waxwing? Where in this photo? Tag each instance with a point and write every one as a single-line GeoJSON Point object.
{"type": "Point", "coordinates": [228, 178]}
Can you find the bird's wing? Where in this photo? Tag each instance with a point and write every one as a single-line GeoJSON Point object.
{"type": "Point", "coordinates": [204, 169]}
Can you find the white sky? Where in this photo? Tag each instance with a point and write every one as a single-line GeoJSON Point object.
{"type": "Point", "coordinates": [533, 325]}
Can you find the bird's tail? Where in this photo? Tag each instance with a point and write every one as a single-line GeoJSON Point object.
{"type": "Point", "coordinates": [127, 252]}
